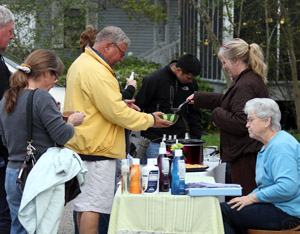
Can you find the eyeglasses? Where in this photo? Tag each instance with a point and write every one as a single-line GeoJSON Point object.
{"type": "Point", "coordinates": [249, 121]}
{"type": "Point", "coordinates": [122, 53]}
{"type": "Point", "coordinates": [56, 76]}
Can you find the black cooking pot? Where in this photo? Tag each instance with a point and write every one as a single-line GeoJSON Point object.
{"type": "Point", "coordinates": [192, 149]}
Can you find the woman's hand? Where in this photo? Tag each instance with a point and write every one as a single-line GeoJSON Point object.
{"type": "Point", "coordinates": [131, 82]}
{"type": "Point", "coordinates": [130, 104]}
{"type": "Point", "coordinates": [241, 202]}
{"type": "Point", "coordinates": [76, 118]}
{"type": "Point", "coordinates": [191, 98]}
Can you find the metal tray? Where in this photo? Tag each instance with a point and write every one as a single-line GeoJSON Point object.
{"type": "Point", "coordinates": [197, 169]}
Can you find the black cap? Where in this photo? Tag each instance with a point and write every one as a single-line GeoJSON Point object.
{"type": "Point", "coordinates": [189, 64]}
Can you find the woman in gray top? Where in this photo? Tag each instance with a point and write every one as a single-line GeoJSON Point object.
{"type": "Point", "coordinates": [39, 71]}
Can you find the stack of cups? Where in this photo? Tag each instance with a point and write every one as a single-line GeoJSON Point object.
{"type": "Point", "coordinates": [125, 175]}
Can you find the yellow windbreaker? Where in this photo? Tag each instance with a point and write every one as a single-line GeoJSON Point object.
{"type": "Point", "coordinates": [93, 89]}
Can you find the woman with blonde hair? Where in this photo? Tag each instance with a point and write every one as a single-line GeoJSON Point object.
{"type": "Point", "coordinates": [245, 64]}
{"type": "Point", "coordinates": [39, 72]}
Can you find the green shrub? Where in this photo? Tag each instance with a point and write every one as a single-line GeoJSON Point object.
{"type": "Point", "coordinates": [207, 125]}
{"type": "Point", "coordinates": [212, 139]}
{"type": "Point", "coordinates": [295, 133]}
{"type": "Point", "coordinates": [141, 68]}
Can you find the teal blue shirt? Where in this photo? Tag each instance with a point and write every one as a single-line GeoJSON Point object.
{"type": "Point", "coordinates": [278, 173]}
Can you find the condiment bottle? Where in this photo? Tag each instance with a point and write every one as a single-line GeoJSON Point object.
{"type": "Point", "coordinates": [135, 177]}
{"type": "Point", "coordinates": [164, 168]}
{"type": "Point", "coordinates": [150, 177]}
{"type": "Point", "coordinates": [130, 78]}
{"type": "Point", "coordinates": [125, 175]}
{"type": "Point", "coordinates": [178, 174]}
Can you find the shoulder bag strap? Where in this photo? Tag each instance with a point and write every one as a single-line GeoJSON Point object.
{"type": "Point", "coordinates": [29, 115]}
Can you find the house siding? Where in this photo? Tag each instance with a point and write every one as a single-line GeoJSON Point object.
{"type": "Point", "coordinates": [141, 33]}
{"type": "Point", "coordinates": [174, 21]}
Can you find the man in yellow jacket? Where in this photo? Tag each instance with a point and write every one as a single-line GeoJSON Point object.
{"type": "Point", "coordinates": [93, 89]}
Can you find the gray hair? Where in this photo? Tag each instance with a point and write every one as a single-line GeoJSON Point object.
{"type": "Point", "coordinates": [264, 108]}
{"type": "Point", "coordinates": [113, 34]}
{"type": "Point", "coordinates": [5, 16]}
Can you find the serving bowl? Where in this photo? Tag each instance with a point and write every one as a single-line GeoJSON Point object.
{"type": "Point", "coordinates": [170, 117]}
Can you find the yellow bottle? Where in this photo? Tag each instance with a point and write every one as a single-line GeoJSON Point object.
{"type": "Point", "coordinates": [135, 177]}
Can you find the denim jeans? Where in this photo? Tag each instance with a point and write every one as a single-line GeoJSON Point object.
{"type": "Point", "coordinates": [14, 196]}
{"type": "Point", "coordinates": [151, 152]}
{"type": "Point", "coordinates": [263, 216]}
{"type": "Point", "coordinates": [2, 162]}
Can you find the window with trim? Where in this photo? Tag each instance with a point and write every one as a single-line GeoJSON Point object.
{"type": "Point", "coordinates": [74, 25]}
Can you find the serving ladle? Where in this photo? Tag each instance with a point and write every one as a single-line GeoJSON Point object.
{"type": "Point", "coordinates": [180, 106]}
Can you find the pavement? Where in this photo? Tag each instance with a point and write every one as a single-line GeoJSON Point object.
{"type": "Point", "coordinates": [66, 225]}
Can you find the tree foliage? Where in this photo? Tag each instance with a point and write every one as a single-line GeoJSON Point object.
{"type": "Point", "coordinates": [141, 9]}
{"type": "Point", "coordinates": [55, 25]}
{"type": "Point", "coordinates": [271, 24]}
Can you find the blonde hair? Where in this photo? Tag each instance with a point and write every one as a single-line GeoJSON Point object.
{"type": "Point", "coordinates": [39, 61]}
{"type": "Point", "coordinates": [88, 37]}
{"type": "Point", "coordinates": [250, 54]}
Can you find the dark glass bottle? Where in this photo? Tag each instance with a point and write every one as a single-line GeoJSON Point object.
{"type": "Point", "coordinates": [164, 168]}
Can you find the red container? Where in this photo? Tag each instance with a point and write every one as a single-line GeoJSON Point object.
{"type": "Point", "coordinates": [192, 149]}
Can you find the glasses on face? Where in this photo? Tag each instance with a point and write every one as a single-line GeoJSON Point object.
{"type": "Point", "coordinates": [122, 53]}
{"type": "Point", "coordinates": [56, 76]}
{"type": "Point", "coordinates": [250, 120]}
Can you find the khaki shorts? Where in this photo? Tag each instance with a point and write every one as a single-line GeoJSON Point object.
{"type": "Point", "coordinates": [97, 194]}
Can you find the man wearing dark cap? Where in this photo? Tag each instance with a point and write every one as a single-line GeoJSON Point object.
{"type": "Point", "coordinates": [166, 88]}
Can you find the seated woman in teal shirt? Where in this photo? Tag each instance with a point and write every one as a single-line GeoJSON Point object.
{"type": "Point", "coordinates": [274, 204]}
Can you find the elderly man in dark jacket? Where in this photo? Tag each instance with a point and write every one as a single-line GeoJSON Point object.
{"type": "Point", "coordinates": [6, 34]}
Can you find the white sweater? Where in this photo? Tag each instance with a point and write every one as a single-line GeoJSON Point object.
{"type": "Point", "coordinates": [43, 197]}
